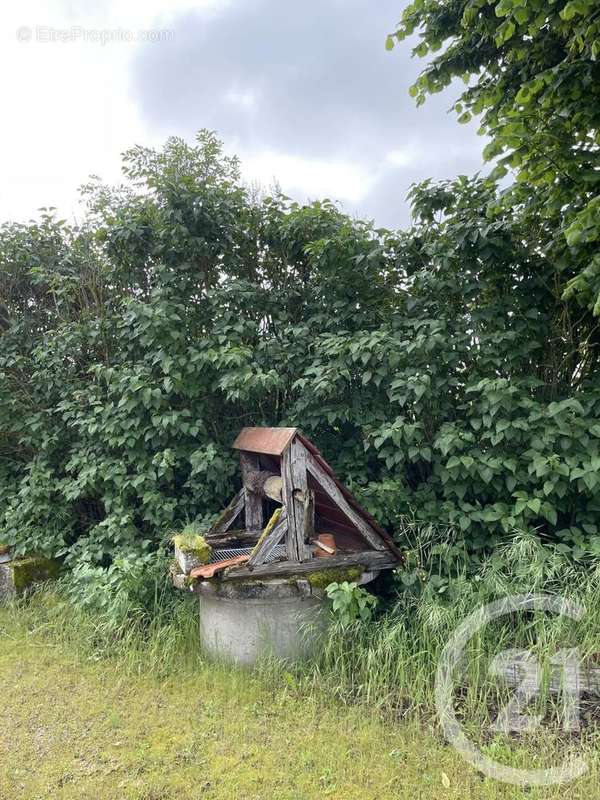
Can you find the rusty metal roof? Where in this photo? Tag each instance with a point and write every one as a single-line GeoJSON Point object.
{"type": "Point", "coordinates": [271, 441]}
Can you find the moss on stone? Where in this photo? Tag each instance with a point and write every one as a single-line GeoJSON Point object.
{"type": "Point", "coordinates": [193, 544]}
{"type": "Point", "coordinates": [323, 577]}
{"type": "Point", "coordinates": [32, 569]}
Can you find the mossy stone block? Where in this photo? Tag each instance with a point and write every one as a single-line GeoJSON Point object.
{"type": "Point", "coordinates": [191, 550]}
{"type": "Point", "coordinates": [7, 586]}
{"type": "Point", "coordinates": [20, 574]}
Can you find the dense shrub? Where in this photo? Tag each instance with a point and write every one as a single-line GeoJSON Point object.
{"type": "Point", "coordinates": [439, 369]}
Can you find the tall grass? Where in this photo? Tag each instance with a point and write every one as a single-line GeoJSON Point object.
{"type": "Point", "coordinates": [391, 664]}
{"type": "Point", "coordinates": [388, 664]}
{"type": "Point", "coordinates": [159, 641]}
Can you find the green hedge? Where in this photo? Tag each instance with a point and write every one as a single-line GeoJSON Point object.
{"type": "Point", "coordinates": [438, 369]}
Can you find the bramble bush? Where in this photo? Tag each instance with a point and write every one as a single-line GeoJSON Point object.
{"type": "Point", "coordinates": [441, 369]}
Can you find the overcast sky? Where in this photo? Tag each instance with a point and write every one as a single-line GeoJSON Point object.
{"type": "Point", "coordinates": [305, 93]}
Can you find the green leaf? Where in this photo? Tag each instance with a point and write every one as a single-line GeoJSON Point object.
{"type": "Point", "coordinates": [535, 505]}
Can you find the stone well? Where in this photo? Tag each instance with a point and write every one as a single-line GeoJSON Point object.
{"type": "Point", "coordinates": [244, 621]}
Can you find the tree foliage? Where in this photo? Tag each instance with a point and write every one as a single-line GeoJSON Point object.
{"type": "Point", "coordinates": [440, 369]}
{"type": "Point", "coordinates": [533, 78]}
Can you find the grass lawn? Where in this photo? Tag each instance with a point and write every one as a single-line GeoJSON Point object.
{"type": "Point", "coordinates": [75, 728]}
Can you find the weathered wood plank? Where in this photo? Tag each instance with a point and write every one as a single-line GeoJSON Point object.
{"type": "Point", "coordinates": [309, 516]}
{"type": "Point", "coordinates": [229, 516]}
{"type": "Point", "coordinates": [233, 538]}
{"type": "Point", "coordinates": [304, 507]}
{"type": "Point", "coordinates": [250, 464]}
{"type": "Point", "coordinates": [370, 559]}
{"type": "Point", "coordinates": [294, 491]}
{"type": "Point", "coordinates": [269, 543]}
{"type": "Point", "coordinates": [287, 493]}
{"type": "Point", "coordinates": [330, 487]}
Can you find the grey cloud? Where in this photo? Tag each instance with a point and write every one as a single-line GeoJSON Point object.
{"type": "Point", "coordinates": [323, 85]}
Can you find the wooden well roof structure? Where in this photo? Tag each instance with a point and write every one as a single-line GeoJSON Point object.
{"type": "Point", "coordinates": [283, 472]}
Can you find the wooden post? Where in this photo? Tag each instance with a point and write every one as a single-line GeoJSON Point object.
{"type": "Point", "coordinates": [300, 510]}
{"type": "Point", "coordinates": [249, 463]}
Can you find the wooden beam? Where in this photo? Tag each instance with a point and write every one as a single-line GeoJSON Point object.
{"type": "Point", "coordinates": [264, 549]}
{"type": "Point", "coordinates": [250, 463]}
{"type": "Point", "coordinates": [265, 484]}
{"type": "Point", "coordinates": [233, 538]}
{"type": "Point", "coordinates": [329, 486]}
{"type": "Point", "coordinates": [295, 490]}
{"type": "Point", "coordinates": [370, 559]}
{"type": "Point", "coordinates": [229, 516]}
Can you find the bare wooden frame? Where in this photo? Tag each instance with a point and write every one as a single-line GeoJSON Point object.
{"type": "Point", "coordinates": [331, 488]}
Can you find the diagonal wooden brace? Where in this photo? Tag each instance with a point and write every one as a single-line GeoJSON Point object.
{"type": "Point", "coordinates": [265, 547]}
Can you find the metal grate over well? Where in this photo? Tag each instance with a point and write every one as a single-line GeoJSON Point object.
{"type": "Point", "coordinates": [234, 552]}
